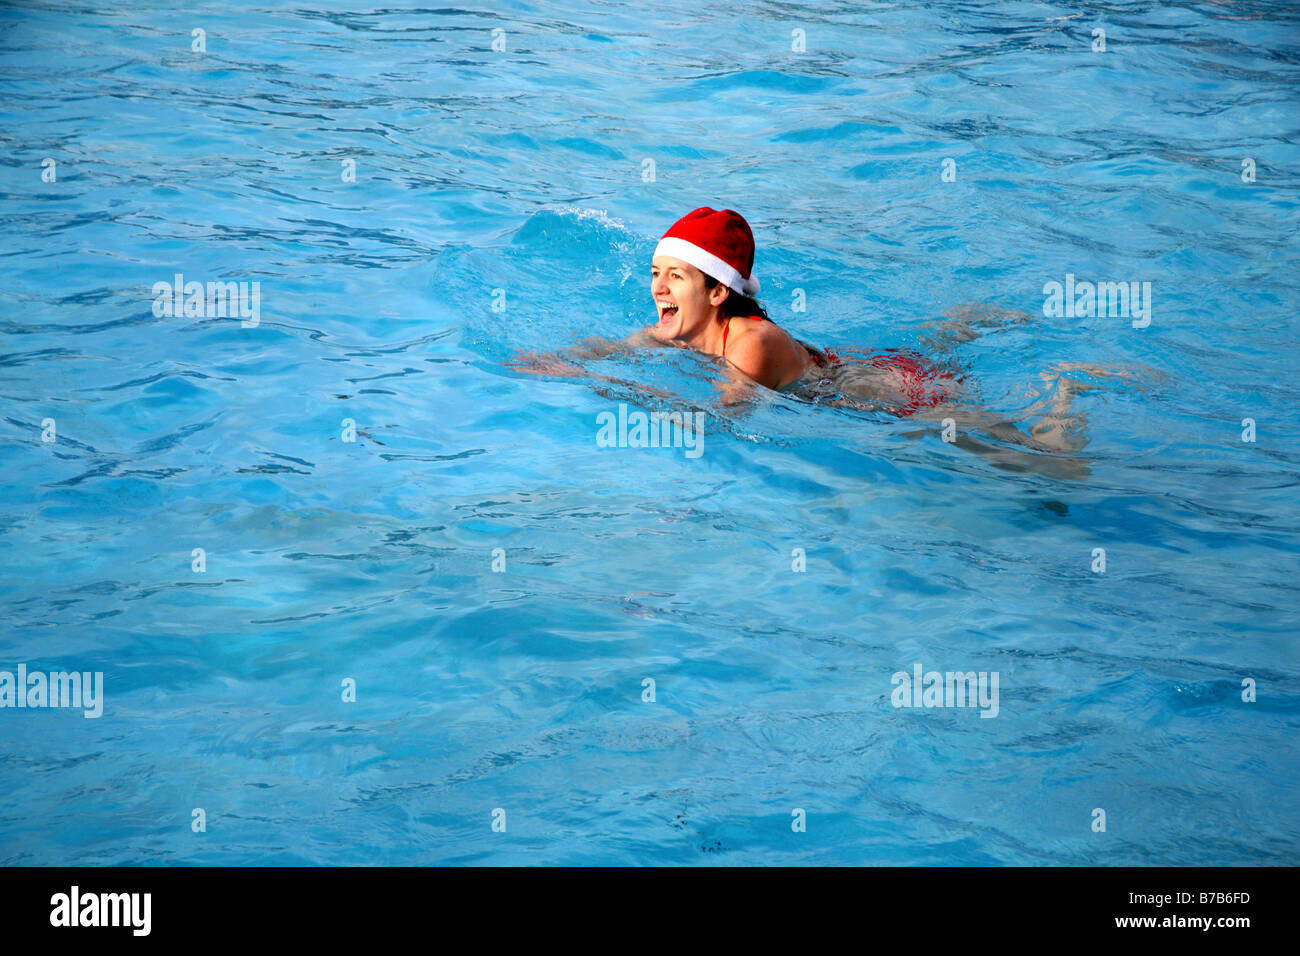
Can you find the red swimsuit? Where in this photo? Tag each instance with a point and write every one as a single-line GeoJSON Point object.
{"type": "Point", "coordinates": [923, 383]}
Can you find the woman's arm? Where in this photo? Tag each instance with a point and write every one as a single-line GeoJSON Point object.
{"type": "Point", "coordinates": [593, 347]}
{"type": "Point", "coordinates": [558, 363]}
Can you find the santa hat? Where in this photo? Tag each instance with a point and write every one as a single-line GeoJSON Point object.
{"type": "Point", "coordinates": [718, 243]}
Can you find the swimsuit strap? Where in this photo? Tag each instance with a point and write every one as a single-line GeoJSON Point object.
{"type": "Point", "coordinates": [727, 328]}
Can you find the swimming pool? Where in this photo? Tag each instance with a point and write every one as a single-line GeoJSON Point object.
{"type": "Point", "coordinates": [417, 209]}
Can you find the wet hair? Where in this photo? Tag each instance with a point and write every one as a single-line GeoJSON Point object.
{"type": "Point", "coordinates": [736, 304]}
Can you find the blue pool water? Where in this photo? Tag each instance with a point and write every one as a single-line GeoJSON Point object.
{"type": "Point", "coordinates": [524, 170]}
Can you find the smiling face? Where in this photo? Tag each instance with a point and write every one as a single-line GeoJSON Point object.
{"type": "Point", "coordinates": [685, 308]}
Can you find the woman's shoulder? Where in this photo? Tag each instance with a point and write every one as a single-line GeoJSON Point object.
{"type": "Point", "coordinates": [755, 330]}
{"type": "Point", "coordinates": [760, 340]}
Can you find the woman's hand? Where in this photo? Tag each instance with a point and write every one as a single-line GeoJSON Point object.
{"type": "Point", "coordinates": [537, 363]}
{"type": "Point", "coordinates": [592, 347]}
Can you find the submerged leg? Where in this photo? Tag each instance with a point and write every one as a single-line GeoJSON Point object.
{"type": "Point", "coordinates": [1049, 460]}
{"type": "Point", "coordinates": [1063, 429]}
{"type": "Point", "coordinates": [1059, 429]}
{"type": "Point", "coordinates": [963, 323]}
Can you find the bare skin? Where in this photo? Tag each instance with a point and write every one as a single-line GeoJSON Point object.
{"type": "Point", "coordinates": [691, 314]}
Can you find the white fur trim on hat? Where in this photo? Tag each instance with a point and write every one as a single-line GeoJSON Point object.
{"type": "Point", "coordinates": [707, 263]}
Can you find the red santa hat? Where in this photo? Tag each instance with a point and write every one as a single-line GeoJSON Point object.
{"type": "Point", "coordinates": [718, 243]}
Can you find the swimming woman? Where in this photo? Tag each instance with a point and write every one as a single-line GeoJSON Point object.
{"type": "Point", "coordinates": [702, 282]}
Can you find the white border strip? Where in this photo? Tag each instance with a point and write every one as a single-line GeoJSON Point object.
{"type": "Point", "coordinates": [707, 263]}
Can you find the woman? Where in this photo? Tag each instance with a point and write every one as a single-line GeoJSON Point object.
{"type": "Point", "coordinates": [702, 281]}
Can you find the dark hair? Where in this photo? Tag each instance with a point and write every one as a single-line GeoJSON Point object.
{"type": "Point", "coordinates": [736, 304]}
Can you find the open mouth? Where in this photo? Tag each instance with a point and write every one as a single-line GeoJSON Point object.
{"type": "Point", "coordinates": [667, 313]}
